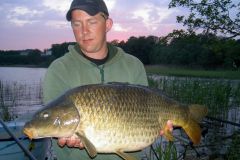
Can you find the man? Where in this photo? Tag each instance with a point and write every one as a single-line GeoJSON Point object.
{"type": "Point", "coordinates": [91, 60]}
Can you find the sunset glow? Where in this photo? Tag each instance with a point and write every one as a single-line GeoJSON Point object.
{"type": "Point", "coordinates": [39, 24]}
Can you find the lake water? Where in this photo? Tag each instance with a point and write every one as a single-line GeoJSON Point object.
{"type": "Point", "coordinates": [22, 90]}
{"type": "Point", "coordinates": [22, 74]}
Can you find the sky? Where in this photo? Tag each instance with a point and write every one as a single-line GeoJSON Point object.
{"type": "Point", "coordinates": [37, 24]}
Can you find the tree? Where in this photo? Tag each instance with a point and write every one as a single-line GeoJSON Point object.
{"type": "Point", "coordinates": [59, 50]}
{"type": "Point", "coordinates": [212, 16]}
{"type": "Point", "coordinates": [140, 47]}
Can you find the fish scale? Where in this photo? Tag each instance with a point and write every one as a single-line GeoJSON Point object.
{"type": "Point", "coordinates": [115, 118]}
{"type": "Point", "coordinates": [118, 102]}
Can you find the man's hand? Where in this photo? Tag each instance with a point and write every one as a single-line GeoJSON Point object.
{"type": "Point", "coordinates": [169, 127]}
{"type": "Point", "coordinates": [72, 141]}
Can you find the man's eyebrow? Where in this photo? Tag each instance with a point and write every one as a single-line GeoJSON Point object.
{"type": "Point", "coordinates": [103, 15]}
{"type": "Point", "coordinates": [75, 20]}
{"type": "Point", "coordinates": [79, 20]}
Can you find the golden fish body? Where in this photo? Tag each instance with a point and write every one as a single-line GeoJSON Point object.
{"type": "Point", "coordinates": [114, 118]}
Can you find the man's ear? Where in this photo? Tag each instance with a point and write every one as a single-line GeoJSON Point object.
{"type": "Point", "coordinates": [109, 23]}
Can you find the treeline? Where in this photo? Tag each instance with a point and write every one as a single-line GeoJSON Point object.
{"type": "Point", "coordinates": [34, 57]}
{"type": "Point", "coordinates": [177, 48]}
{"type": "Point", "coordinates": [24, 57]}
{"type": "Point", "coordinates": [182, 48]}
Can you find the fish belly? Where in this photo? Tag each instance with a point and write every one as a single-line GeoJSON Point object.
{"type": "Point", "coordinates": [107, 138]}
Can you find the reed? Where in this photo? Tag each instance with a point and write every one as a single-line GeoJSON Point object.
{"type": "Point", "coordinates": [216, 94]}
{"type": "Point", "coordinates": [162, 150]}
{"type": "Point", "coordinates": [168, 152]}
{"type": "Point", "coordinates": [234, 149]}
{"type": "Point", "coordinates": [5, 115]}
{"type": "Point", "coordinates": [18, 98]}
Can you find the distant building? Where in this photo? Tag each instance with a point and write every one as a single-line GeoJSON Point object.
{"type": "Point", "coordinates": [47, 52]}
{"type": "Point", "coordinates": [25, 52]}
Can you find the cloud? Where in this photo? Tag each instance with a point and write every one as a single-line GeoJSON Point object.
{"type": "Point", "coordinates": [24, 11]}
{"type": "Point", "coordinates": [118, 27]}
{"type": "Point", "coordinates": [20, 23]}
{"type": "Point", "coordinates": [21, 11]}
{"type": "Point", "coordinates": [22, 15]}
{"type": "Point", "coordinates": [57, 24]}
{"type": "Point", "coordinates": [1, 8]}
{"type": "Point", "coordinates": [151, 15]}
{"type": "Point", "coordinates": [63, 5]}
{"type": "Point", "coordinates": [57, 5]}
{"type": "Point", "coordinates": [110, 4]}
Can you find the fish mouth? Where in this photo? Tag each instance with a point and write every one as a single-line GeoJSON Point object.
{"type": "Point", "coordinates": [28, 132]}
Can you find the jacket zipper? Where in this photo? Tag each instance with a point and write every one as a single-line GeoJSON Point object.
{"type": "Point", "coordinates": [101, 71]}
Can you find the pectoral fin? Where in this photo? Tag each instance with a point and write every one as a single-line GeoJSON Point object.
{"type": "Point", "coordinates": [125, 156]}
{"type": "Point", "coordinates": [88, 145]}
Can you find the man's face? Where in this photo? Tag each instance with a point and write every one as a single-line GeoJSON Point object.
{"type": "Point", "coordinates": [90, 31]}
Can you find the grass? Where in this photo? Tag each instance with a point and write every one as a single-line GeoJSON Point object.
{"type": "Point", "coordinates": [167, 153]}
{"type": "Point", "coordinates": [234, 150]}
{"type": "Point", "coordinates": [189, 72]}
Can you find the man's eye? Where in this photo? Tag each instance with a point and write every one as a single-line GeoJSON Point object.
{"type": "Point", "coordinates": [92, 22]}
{"type": "Point", "coordinates": [76, 24]}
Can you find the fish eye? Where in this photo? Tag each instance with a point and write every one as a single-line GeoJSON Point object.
{"type": "Point", "coordinates": [45, 115]}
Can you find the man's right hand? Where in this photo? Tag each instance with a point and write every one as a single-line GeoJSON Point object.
{"type": "Point", "coordinates": [169, 127]}
{"type": "Point", "coordinates": [72, 141]}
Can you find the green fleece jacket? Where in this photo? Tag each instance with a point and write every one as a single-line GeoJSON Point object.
{"type": "Point", "coordinates": [73, 70]}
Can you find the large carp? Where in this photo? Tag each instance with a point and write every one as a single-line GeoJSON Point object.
{"type": "Point", "coordinates": [114, 118]}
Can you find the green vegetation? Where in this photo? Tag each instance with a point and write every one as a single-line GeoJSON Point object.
{"type": "Point", "coordinates": [218, 95]}
{"type": "Point", "coordinates": [234, 150]}
{"type": "Point", "coordinates": [5, 114]}
{"type": "Point", "coordinates": [211, 16]}
{"type": "Point", "coordinates": [163, 150]}
{"type": "Point", "coordinates": [168, 153]}
{"type": "Point", "coordinates": [215, 94]}
{"type": "Point", "coordinates": [189, 72]}
{"type": "Point", "coordinates": [27, 57]}
{"type": "Point", "coordinates": [18, 94]}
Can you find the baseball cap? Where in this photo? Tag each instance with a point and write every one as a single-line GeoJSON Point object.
{"type": "Point", "coordinates": [92, 7]}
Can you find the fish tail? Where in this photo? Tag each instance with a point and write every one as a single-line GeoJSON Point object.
{"type": "Point", "coordinates": [197, 112]}
{"type": "Point", "coordinates": [192, 128]}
